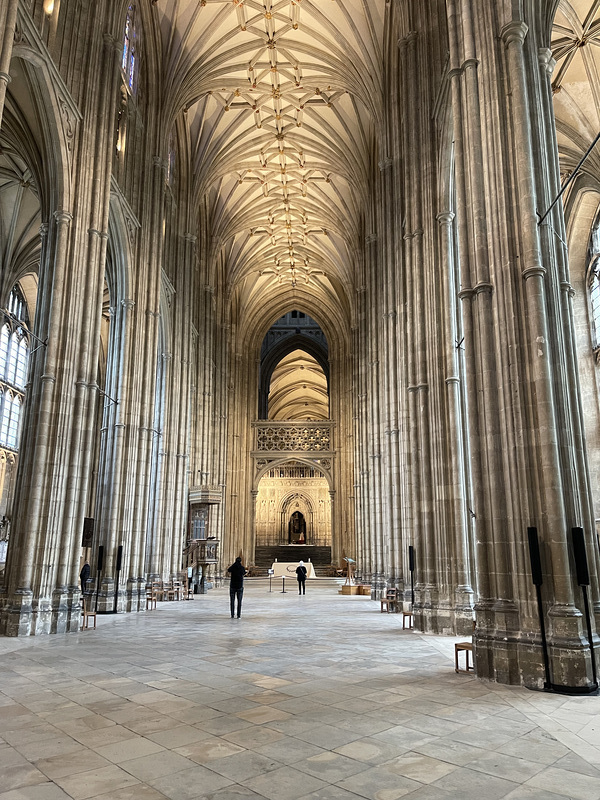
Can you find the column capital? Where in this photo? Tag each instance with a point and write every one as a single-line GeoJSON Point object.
{"type": "Point", "coordinates": [63, 217]}
{"type": "Point", "coordinates": [515, 31]}
{"type": "Point", "coordinates": [546, 61]}
{"type": "Point", "coordinates": [483, 287]}
{"type": "Point", "coordinates": [566, 287]}
{"type": "Point", "coordinates": [534, 272]}
{"type": "Point", "coordinates": [410, 38]}
{"type": "Point", "coordinates": [445, 217]}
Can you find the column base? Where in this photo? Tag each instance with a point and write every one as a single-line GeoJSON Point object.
{"type": "Point", "coordinates": [135, 597]}
{"type": "Point", "coordinates": [17, 614]}
{"type": "Point", "coordinates": [106, 598]}
{"type": "Point", "coordinates": [22, 615]}
{"type": "Point", "coordinates": [378, 585]}
{"type": "Point", "coordinates": [439, 613]}
{"type": "Point", "coordinates": [66, 610]}
{"type": "Point", "coordinates": [508, 648]}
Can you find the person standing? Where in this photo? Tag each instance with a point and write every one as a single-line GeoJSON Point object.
{"type": "Point", "coordinates": [84, 575]}
{"type": "Point", "coordinates": [301, 575]}
{"type": "Point", "coordinates": [236, 586]}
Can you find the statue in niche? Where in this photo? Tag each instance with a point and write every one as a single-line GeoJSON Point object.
{"type": "Point", "coordinates": [297, 528]}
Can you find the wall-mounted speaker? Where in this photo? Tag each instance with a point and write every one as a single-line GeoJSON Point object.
{"type": "Point", "coordinates": [100, 558]}
{"type": "Point", "coordinates": [411, 557]}
{"type": "Point", "coordinates": [119, 557]}
{"type": "Point", "coordinates": [88, 532]}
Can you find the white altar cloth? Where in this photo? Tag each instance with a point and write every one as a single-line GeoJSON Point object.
{"type": "Point", "coordinates": [287, 569]}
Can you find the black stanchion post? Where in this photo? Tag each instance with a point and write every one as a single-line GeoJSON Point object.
{"type": "Point", "coordinates": [118, 570]}
{"type": "Point", "coordinates": [536, 575]}
{"type": "Point", "coordinates": [583, 579]}
{"type": "Point", "coordinates": [283, 591]}
{"type": "Point", "coordinates": [99, 565]}
{"type": "Point", "coordinates": [411, 566]}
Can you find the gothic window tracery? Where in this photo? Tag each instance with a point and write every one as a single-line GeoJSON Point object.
{"type": "Point", "coordinates": [14, 354]}
{"type": "Point", "coordinates": [594, 285]}
{"type": "Point", "coordinates": [129, 60]}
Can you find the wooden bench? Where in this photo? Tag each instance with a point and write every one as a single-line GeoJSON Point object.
{"type": "Point", "coordinates": [86, 615]}
{"type": "Point", "coordinates": [390, 601]}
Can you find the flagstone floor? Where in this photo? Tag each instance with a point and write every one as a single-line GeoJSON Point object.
{"type": "Point", "coordinates": [319, 697]}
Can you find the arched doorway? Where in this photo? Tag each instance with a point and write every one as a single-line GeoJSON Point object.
{"type": "Point", "coordinates": [293, 514]}
{"type": "Point", "coordinates": [297, 528]}
{"type": "Point", "coordinates": [293, 498]}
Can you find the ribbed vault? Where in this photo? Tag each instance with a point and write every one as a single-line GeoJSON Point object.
{"type": "Point", "coordinates": [298, 389]}
{"type": "Point", "coordinates": [576, 81]}
{"type": "Point", "coordinates": [282, 99]}
{"type": "Point", "coordinates": [20, 220]}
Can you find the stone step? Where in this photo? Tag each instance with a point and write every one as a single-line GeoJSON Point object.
{"type": "Point", "coordinates": [319, 556]}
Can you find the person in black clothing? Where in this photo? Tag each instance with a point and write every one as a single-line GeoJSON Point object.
{"type": "Point", "coordinates": [236, 586]}
{"type": "Point", "coordinates": [301, 575]}
{"type": "Point", "coordinates": [84, 575]}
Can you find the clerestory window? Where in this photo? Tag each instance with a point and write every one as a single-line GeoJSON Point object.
{"type": "Point", "coordinates": [129, 61]}
{"type": "Point", "coordinates": [14, 356]}
{"type": "Point", "coordinates": [594, 285]}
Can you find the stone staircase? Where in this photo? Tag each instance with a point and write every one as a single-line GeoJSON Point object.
{"type": "Point", "coordinates": [320, 556]}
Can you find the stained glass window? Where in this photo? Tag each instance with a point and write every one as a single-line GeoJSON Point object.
{"type": "Point", "coordinates": [14, 355]}
{"type": "Point", "coordinates": [129, 60]}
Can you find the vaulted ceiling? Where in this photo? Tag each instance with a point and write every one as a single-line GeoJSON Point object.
{"type": "Point", "coordinates": [576, 81]}
{"type": "Point", "coordinates": [282, 99]}
{"type": "Point", "coordinates": [298, 389]}
{"type": "Point", "coordinates": [20, 221]}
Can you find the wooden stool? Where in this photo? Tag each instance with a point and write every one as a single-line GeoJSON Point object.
{"type": "Point", "coordinates": [407, 615]}
{"type": "Point", "coordinates": [468, 648]}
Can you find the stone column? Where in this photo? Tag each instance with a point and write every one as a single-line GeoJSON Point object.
{"type": "Point", "coordinates": [30, 587]}
{"type": "Point", "coordinates": [183, 442]}
{"type": "Point", "coordinates": [84, 413]}
{"type": "Point", "coordinates": [458, 533]}
{"type": "Point", "coordinates": [565, 635]}
{"type": "Point", "coordinates": [495, 608]}
{"type": "Point", "coordinates": [8, 22]}
{"type": "Point", "coordinates": [392, 493]}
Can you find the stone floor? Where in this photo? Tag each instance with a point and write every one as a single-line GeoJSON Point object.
{"type": "Point", "coordinates": [319, 697]}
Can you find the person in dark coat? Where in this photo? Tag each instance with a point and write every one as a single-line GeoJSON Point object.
{"type": "Point", "coordinates": [236, 586]}
{"type": "Point", "coordinates": [301, 575]}
{"type": "Point", "coordinates": [84, 575]}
